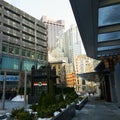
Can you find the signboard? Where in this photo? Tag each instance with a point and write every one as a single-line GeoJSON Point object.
{"type": "Point", "coordinates": [10, 77]}
{"type": "Point", "coordinates": [40, 84]}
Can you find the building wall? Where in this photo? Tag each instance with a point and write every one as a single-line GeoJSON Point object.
{"type": "Point", "coordinates": [23, 40]}
{"type": "Point", "coordinates": [60, 71]}
{"type": "Point", "coordinates": [71, 80]}
{"type": "Point", "coordinates": [83, 64]}
{"type": "Point", "coordinates": [101, 36]}
{"type": "Point", "coordinates": [55, 28]}
{"type": "Point", "coordinates": [72, 43]}
{"type": "Point", "coordinates": [109, 28]}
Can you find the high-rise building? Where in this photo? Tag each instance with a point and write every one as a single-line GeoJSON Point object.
{"type": "Point", "coordinates": [23, 43]}
{"type": "Point", "coordinates": [72, 43]}
{"type": "Point", "coordinates": [83, 64]}
{"type": "Point", "coordinates": [99, 25]}
{"type": "Point", "coordinates": [55, 28]}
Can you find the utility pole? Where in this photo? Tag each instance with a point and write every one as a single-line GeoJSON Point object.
{"type": "Point", "coordinates": [3, 96]}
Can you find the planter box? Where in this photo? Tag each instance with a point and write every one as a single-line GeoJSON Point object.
{"type": "Point", "coordinates": [68, 113]}
{"type": "Point", "coordinates": [81, 104]}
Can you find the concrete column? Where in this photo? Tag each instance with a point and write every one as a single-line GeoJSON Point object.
{"type": "Point", "coordinates": [117, 81]}
{"type": "Point", "coordinates": [112, 87]}
{"type": "Point", "coordinates": [107, 88]}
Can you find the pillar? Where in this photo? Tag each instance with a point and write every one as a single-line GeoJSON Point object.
{"type": "Point", "coordinates": [117, 81]}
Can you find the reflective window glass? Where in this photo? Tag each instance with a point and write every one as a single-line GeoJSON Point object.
{"type": "Point", "coordinates": [27, 64]}
{"type": "Point", "coordinates": [109, 47]}
{"type": "Point", "coordinates": [28, 53]}
{"type": "Point", "coordinates": [16, 50]}
{"type": "Point", "coordinates": [23, 52]}
{"type": "Point", "coordinates": [11, 49]}
{"type": "Point", "coordinates": [109, 36]}
{"type": "Point", "coordinates": [109, 15]}
{"type": "Point", "coordinates": [37, 56]}
{"type": "Point", "coordinates": [5, 48]}
{"type": "Point", "coordinates": [32, 55]}
{"type": "Point", "coordinates": [10, 63]}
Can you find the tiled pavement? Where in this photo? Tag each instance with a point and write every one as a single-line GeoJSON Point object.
{"type": "Point", "coordinates": [98, 110]}
{"type": "Point", "coordinates": [93, 110]}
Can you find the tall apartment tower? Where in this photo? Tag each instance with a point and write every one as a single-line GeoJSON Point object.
{"type": "Point", "coordinates": [23, 43]}
{"type": "Point", "coordinates": [55, 28]}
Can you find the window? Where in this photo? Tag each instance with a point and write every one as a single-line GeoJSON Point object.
{"type": "Point", "coordinates": [109, 47]}
{"type": "Point", "coordinates": [109, 36]}
{"type": "Point", "coordinates": [23, 52]}
{"type": "Point", "coordinates": [32, 55]}
{"type": "Point", "coordinates": [58, 66]}
{"type": "Point", "coordinates": [17, 50]}
{"type": "Point", "coordinates": [28, 53]}
{"type": "Point", "coordinates": [37, 56]}
{"type": "Point", "coordinates": [5, 48]}
{"type": "Point", "coordinates": [83, 82]}
{"type": "Point", "coordinates": [11, 49]}
{"type": "Point", "coordinates": [109, 15]}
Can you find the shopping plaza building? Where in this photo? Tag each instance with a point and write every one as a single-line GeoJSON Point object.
{"type": "Point", "coordinates": [23, 43]}
{"type": "Point", "coordinates": [99, 26]}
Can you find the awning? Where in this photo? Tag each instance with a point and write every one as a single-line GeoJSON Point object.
{"type": "Point", "coordinates": [91, 76]}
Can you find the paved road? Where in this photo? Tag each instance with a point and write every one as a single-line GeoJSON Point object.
{"type": "Point", "coordinates": [98, 110]}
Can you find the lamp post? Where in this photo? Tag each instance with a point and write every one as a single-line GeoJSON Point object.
{"type": "Point", "coordinates": [25, 87]}
{"type": "Point", "coordinates": [4, 85]}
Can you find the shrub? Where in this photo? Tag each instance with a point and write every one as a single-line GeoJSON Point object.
{"type": "Point", "coordinates": [21, 114]}
{"type": "Point", "coordinates": [46, 108]}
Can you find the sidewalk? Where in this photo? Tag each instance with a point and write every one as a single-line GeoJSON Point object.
{"type": "Point", "coordinates": [9, 105]}
{"type": "Point", "coordinates": [98, 110]}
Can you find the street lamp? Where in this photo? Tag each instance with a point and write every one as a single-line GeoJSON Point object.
{"type": "Point", "coordinates": [25, 87]}
{"type": "Point", "coordinates": [3, 96]}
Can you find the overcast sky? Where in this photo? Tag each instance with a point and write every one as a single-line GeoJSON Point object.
{"type": "Point", "coordinates": [54, 9]}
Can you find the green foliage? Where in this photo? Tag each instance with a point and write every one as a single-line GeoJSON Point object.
{"type": "Point", "coordinates": [21, 90]}
{"type": "Point", "coordinates": [44, 100]}
{"type": "Point", "coordinates": [45, 112]}
{"type": "Point", "coordinates": [51, 93]}
{"type": "Point", "coordinates": [21, 114]}
{"type": "Point", "coordinates": [70, 97]}
{"type": "Point", "coordinates": [46, 107]}
{"type": "Point", "coordinates": [34, 107]}
{"type": "Point", "coordinates": [68, 90]}
{"type": "Point", "coordinates": [60, 98]}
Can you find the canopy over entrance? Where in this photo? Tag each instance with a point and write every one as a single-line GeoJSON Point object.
{"type": "Point", "coordinates": [91, 76]}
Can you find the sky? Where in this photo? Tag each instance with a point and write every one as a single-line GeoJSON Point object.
{"type": "Point", "coordinates": [53, 9]}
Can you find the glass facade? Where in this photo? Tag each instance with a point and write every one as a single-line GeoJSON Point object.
{"type": "Point", "coordinates": [109, 15]}
{"type": "Point", "coordinates": [108, 47]}
{"type": "Point", "coordinates": [109, 36]}
{"type": "Point", "coordinates": [9, 62]}
{"type": "Point", "coordinates": [27, 64]}
{"type": "Point", "coordinates": [19, 48]}
{"type": "Point", "coordinates": [13, 63]}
